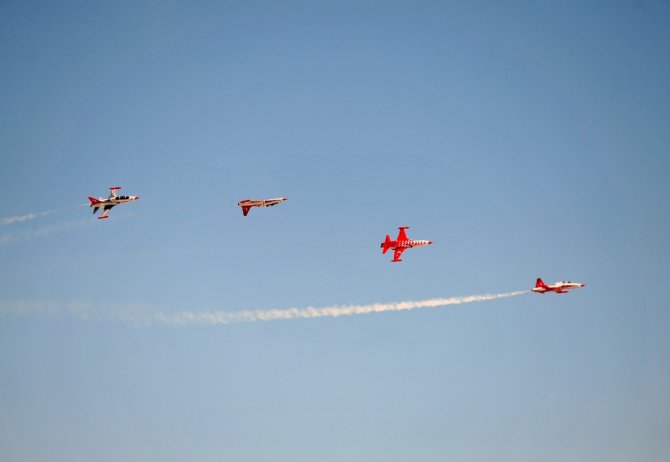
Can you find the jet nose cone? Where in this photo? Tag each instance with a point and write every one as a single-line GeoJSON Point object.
{"type": "Point", "coordinates": [430, 242]}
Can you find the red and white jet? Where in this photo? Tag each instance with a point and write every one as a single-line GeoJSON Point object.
{"type": "Point", "coordinates": [112, 201]}
{"type": "Point", "coordinates": [246, 204]}
{"type": "Point", "coordinates": [401, 244]}
{"type": "Point", "coordinates": [560, 287]}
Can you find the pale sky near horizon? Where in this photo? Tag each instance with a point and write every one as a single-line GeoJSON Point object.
{"type": "Point", "coordinates": [525, 140]}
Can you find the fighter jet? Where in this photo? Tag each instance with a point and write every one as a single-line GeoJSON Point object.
{"type": "Point", "coordinates": [401, 244]}
{"type": "Point", "coordinates": [112, 201]}
{"type": "Point", "coordinates": [560, 287]}
{"type": "Point", "coordinates": [246, 204]}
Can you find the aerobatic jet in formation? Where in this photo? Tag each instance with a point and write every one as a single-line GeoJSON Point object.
{"type": "Point", "coordinates": [561, 287]}
{"type": "Point", "coordinates": [246, 204]}
{"type": "Point", "coordinates": [401, 244]}
{"type": "Point", "coordinates": [112, 201]}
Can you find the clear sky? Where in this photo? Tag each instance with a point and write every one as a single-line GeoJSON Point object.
{"type": "Point", "coordinates": [525, 139]}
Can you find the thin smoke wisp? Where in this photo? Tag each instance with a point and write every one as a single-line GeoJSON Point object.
{"type": "Point", "coordinates": [41, 231]}
{"type": "Point", "coordinates": [5, 221]}
{"type": "Point", "coordinates": [27, 217]}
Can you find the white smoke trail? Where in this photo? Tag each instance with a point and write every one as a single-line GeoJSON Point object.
{"type": "Point", "coordinates": [27, 217]}
{"type": "Point", "coordinates": [227, 317]}
{"type": "Point", "coordinates": [143, 315]}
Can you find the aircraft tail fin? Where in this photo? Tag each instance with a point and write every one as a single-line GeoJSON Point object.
{"type": "Point", "coordinates": [540, 283]}
{"type": "Point", "coordinates": [245, 210]}
{"type": "Point", "coordinates": [93, 200]}
{"type": "Point", "coordinates": [386, 245]}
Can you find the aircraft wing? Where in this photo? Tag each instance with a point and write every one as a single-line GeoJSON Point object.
{"type": "Point", "coordinates": [105, 212]}
{"type": "Point", "coordinates": [402, 236]}
{"type": "Point", "coordinates": [112, 191]}
{"type": "Point", "coordinates": [397, 253]}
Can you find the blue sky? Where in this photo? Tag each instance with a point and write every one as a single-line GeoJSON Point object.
{"type": "Point", "coordinates": [525, 140]}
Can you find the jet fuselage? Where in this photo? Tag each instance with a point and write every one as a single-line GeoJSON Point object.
{"type": "Point", "coordinates": [561, 287]}
{"type": "Point", "coordinates": [401, 243]}
{"type": "Point", "coordinates": [246, 204]}
{"type": "Point", "coordinates": [112, 201]}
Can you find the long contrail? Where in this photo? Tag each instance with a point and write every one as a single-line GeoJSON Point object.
{"type": "Point", "coordinates": [139, 314]}
{"type": "Point", "coordinates": [183, 318]}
